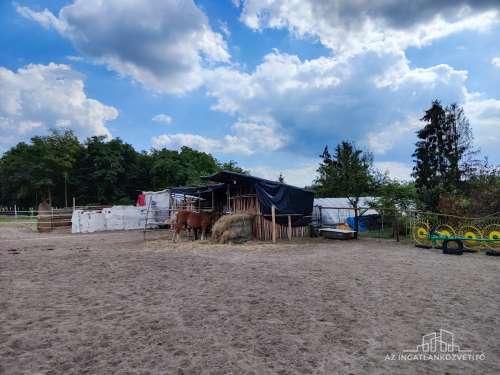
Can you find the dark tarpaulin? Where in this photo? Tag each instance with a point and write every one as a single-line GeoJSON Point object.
{"type": "Point", "coordinates": [196, 190]}
{"type": "Point", "coordinates": [288, 200]}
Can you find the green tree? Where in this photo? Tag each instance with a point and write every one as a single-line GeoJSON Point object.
{"type": "Point", "coordinates": [347, 173]}
{"type": "Point", "coordinates": [98, 171]}
{"type": "Point", "coordinates": [445, 144]}
{"type": "Point", "coordinates": [40, 170]}
{"type": "Point", "coordinates": [108, 172]}
{"type": "Point", "coordinates": [232, 166]}
{"type": "Point", "coordinates": [393, 194]}
{"type": "Point", "coordinates": [480, 192]}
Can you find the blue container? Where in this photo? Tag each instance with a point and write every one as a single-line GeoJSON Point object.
{"type": "Point", "coordinates": [361, 224]}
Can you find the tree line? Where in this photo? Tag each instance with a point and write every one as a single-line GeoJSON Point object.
{"type": "Point", "coordinates": [448, 177]}
{"type": "Point", "coordinates": [58, 167]}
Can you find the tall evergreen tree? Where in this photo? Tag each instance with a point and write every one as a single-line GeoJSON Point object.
{"type": "Point", "coordinates": [444, 144]}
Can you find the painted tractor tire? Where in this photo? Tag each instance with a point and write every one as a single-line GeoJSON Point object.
{"type": "Point", "coordinates": [443, 230]}
{"type": "Point", "coordinates": [493, 253]}
{"type": "Point", "coordinates": [421, 234]}
{"type": "Point", "coordinates": [475, 234]}
{"type": "Point", "coordinates": [492, 232]}
{"type": "Point", "coordinates": [453, 247]}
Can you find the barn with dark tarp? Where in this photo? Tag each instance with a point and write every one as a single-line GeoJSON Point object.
{"type": "Point", "coordinates": [245, 193]}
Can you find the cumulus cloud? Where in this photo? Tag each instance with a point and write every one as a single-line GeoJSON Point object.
{"type": "Point", "coordinates": [36, 98]}
{"type": "Point", "coordinates": [325, 100]}
{"type": "Point", "coordinates": [352, 27]}
{"type": "Point", "coordinates": [163, 44]}
{"type": "Point", "coordinates": [246, 138]}
{"type": "Point", "coordinates": [162, 118]}
{"type": "Point", "coordinates": [280, 74]}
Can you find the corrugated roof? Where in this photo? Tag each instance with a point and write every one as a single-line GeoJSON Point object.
{"type": "Point", "coordinates": [342, 202]}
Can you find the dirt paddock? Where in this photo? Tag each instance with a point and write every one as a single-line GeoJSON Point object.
{"type": "Point", "coordinates": [111, 303]}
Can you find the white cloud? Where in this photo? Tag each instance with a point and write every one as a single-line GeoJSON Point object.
{"type": "Point", "coordinates": [279, 76]}
{"type": "Point", "coordinates": [163, 44]}
{"type": "Point", "coordinates": [324, 100]}
{"type": "Point", "coordinates": [195, 141]}
{"type": "Point", "coordinates": [484, 116]}
{"type": "Point", "coordinates": [302, 175]}
{"type": "Point", "coordinates": [44, 18]}
{"type": "Point", "coordinates": [387, 137]}
{"type": "Point", "coordinates": [496, 61]}
{"type": "Point", "coordinates": [260, 136]}
{"type": "Point", "coordinates": [352, 27]}
{"type": "Point", "coordinates": [162, 118]}
{"type": "Point", "coordinates": [396, 170]}
{"type": "Point", "coordinates": [246, 139]}
{"type": "Point", "coordinates": [400, 73]}
{"type": "Point", "coordinates": [39, 97]}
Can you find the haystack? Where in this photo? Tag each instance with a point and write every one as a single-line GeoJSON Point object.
{"type": "Point", "coordinates": [233, 228]}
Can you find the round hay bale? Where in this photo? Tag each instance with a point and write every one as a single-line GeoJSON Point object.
{"type": "Point", "coordinates": [233, 228]}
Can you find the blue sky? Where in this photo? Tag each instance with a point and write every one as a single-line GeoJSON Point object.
{"type": "Point", "coordinates": [265, 83]}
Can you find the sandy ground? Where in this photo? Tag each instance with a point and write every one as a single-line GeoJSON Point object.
{"type": "Point", "coordinates": [111, 303]}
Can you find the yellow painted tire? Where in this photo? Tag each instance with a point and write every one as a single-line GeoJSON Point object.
{"type": "Point", "coordinates": [474, 233]}
{"type": "Point", "coordinates": [492, 232]}
{"type": "Point", "coordinates": [421, 234]}
{"type": "Point", "coordinates": [443, 230]}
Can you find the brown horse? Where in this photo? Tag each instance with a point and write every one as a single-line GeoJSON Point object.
{"type": "Point", "coordinates": [199, 221]}
{"type": "Point", "coordinates": [191, 220]}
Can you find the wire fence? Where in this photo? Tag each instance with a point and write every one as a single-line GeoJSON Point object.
{"type": "Point", "coordinates": [373, 222]}
{"type": "Point", "coordinates": [414, 226]}
{"type": "Point", "coordinates": [384, 223]}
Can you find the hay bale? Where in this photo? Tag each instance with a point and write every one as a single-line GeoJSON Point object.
{"type": "Point", "coordinates": [233, 228]}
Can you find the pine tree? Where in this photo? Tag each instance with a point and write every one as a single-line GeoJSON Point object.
{"type": "Point", "coordinates": [444, 144]}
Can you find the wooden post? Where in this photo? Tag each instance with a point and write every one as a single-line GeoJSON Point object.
{"type": "Point", "coordinates": [289, 228]}
{"type": "Point", "coordinates": [273, 215]}
{"type": "Point", "coordinates": [15, 211]}
{"type": "Point", "coordinates": [74, 203]}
